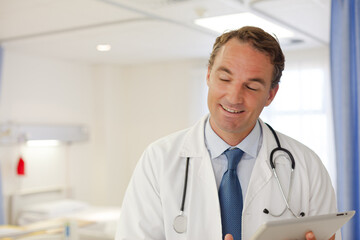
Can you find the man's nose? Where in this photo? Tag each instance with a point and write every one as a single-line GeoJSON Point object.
{"type": "Point", "coordinates": [236, 94]}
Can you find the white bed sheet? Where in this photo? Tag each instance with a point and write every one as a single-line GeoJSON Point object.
{"type": "Point", "coordinates": [49, 209]}
{"type": "Point", "coordinates": [90, 223]}
{"type": "Point", "coordinates": [45, 208]}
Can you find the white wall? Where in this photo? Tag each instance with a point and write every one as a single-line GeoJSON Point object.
{"type": "Point", "coordinates": [125, 108]}
{"type": "Point", "coordinates": [139, 105]}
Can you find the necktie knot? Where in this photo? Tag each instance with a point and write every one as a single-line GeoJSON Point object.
{"type": "Point", "coordinates": [233, 155]}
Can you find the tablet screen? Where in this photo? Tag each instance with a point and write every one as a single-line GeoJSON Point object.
{"type": "Point", "coordinates": [323, 226]}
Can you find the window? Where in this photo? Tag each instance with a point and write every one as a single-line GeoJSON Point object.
{"type": "Point", "coordinates": [302, 110]}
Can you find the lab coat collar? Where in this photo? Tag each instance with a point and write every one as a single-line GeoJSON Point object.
{"type": "Point", "coordinates": [194, 144]}
{"type": "Point", "coordinates": [195, 148]}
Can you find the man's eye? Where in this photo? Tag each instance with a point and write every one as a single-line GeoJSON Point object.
{"type": "Point", "coordinates": [224, 79]}
{"type": "Point", "coordinates": [251, 88]}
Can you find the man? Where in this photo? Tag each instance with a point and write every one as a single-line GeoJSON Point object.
{"type": "Point", "coordinates": [198, 171]}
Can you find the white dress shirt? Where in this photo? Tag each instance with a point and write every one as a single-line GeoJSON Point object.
{"type": "Point", "coordinates": [250, 146]}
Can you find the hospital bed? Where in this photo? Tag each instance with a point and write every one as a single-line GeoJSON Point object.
{"type": "Point", "coordinates": [48, 214]}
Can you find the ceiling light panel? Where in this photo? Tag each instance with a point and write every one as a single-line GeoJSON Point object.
{"type": "Point", "coordinates": [225, 23]}
{"type": "Point", "coordinates": [103, 47]}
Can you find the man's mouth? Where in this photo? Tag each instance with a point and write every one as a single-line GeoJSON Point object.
{"type": "Point", "coordinates": [231, 110]}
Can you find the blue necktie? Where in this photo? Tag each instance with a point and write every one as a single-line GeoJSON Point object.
{"type": "Point", "coordinates": [230, 196]}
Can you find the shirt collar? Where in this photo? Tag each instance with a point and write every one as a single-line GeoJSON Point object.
{"type": "Point", "coordinates": [216, 146]}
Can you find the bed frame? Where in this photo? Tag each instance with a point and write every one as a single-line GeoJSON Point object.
{"type": "Point", "coordinates": [24, 198]}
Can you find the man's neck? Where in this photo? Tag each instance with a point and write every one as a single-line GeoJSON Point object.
{"type": "Point", "coordinates": [231, 138]}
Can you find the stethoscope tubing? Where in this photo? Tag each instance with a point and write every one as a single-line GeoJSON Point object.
{"type": "Point", "coordinates": [185, 185]}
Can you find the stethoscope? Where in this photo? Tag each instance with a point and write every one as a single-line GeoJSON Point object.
{"type": "Point", "coordinates": [180, 221]}
{"type": "Point", "coordinates": [272, 164]}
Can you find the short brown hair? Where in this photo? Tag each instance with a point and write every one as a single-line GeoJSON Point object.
{"type": "Point", "coordinates": [261, 41]}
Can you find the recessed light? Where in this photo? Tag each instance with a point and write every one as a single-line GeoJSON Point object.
{"type": "Point", "coordinates": [225, 23]}
{"type": "Point", "coordinates": [103, 47]}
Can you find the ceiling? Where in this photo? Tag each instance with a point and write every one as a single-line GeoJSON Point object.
{"type": "Point", "coordinates": [142, 31]}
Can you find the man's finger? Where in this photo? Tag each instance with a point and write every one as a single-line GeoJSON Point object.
{"type": "Point", "coordinates": [310, 236]}
{"type": "Point", "coordinates": [228, 237]}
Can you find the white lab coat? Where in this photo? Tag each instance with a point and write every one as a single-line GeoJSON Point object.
{"type": "Point", "coordinates": [154, 195]}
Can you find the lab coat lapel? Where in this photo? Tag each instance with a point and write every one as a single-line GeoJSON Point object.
{"type": "Point", "coordinates": [203, 202]}
{"type": "Point", "coordinates": [194, 147]}
{"type": "Point", "coordinates": [261, 172]}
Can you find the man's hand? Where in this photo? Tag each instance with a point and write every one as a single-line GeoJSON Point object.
{"type": "Point", "coordinates": [311, 236]}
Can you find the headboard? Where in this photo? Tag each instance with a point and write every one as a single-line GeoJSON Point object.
{"type": "Point", "coordinates": [24, 198]}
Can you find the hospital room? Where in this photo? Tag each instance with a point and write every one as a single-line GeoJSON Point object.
{"type": "Point", "coordinates": [88, 87]}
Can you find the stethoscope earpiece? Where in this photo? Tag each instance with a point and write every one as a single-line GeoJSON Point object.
{"type": "Point", "coordinates": [302, 214]}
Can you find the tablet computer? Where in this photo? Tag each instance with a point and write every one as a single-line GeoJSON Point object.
{"type": "Point", "coordinates": [323, 226]}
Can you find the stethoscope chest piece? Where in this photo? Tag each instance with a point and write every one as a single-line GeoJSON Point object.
{"type": "Point", "coordinates": [180, 223]}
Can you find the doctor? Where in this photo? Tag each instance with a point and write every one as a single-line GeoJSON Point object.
{"type": "Point", "coordinates": [180, 188]}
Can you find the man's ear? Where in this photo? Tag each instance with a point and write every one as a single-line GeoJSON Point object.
{"type": "Point", "coordinates": [272, 94]}
{"type": "Point", "coordinates": [208, 76]}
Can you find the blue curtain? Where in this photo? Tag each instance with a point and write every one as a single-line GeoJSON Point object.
{"type": "Point", "coordinates": [1, 64]}
{"type": "Point", "coordinates": [2, 215]}
{"type": "Point", "coordinates": [345, 80]}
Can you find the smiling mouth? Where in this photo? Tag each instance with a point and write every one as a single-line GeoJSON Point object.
{"type": "Point", "coordinates": [231, 110]}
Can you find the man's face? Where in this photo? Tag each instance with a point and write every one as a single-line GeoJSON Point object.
{"type": "Point", "coordinates": [239, 88]}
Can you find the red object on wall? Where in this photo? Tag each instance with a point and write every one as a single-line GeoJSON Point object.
{"type": "Point", "coordinates": [21, 167]}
